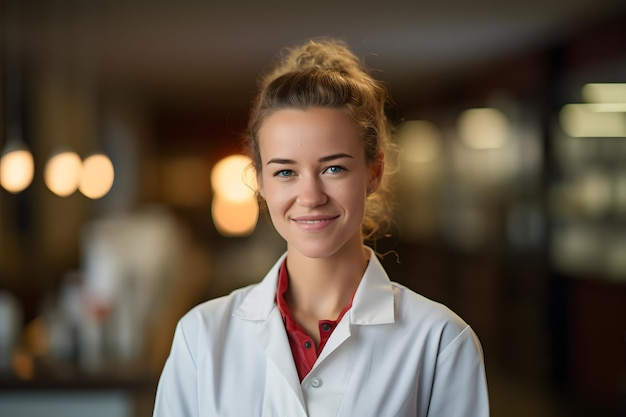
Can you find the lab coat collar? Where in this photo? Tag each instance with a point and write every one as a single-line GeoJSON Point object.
{"type": "Point", "coordinates": [261, 300]}
{"type": "Point", "coordinates": [373, 301]}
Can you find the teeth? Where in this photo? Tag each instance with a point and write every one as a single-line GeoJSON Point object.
{"type": "Point", "coordinates": [310, 221]}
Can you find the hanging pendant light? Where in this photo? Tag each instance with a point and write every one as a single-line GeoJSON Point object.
{"type": "Point", "coordinates": [62, 173]}
{"type": "Point", "coordinates": [17, 166]}
{"type": "Point", "coordinates": [97, 176]}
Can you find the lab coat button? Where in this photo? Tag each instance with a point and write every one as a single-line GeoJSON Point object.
{"type": "Point", "coordinates": [316, 382]}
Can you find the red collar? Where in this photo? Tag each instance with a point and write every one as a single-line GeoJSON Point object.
{"type": "Point", "coordinates": [304, 351]}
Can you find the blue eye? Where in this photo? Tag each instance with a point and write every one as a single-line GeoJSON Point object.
{"type": "Point", "coordinates": [283, 173]}
{"type": "Point", "coordinates": [335, 169]}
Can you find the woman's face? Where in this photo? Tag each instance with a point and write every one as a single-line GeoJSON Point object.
{"type": "Point", "coordinates": [315, 179]}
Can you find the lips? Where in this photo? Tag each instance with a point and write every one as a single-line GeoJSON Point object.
{"type": "Point", "coordinates": [314, 223]}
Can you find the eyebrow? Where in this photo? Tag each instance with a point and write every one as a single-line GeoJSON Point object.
{"type": "Point", "coordinates": [322, 159]}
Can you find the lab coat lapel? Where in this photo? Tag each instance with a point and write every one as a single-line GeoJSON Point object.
{"type": "Point", "coordinates": [282, 391]}
{"type": "Point", "coordinates": [373, 301]}
{"type": "Point", "coordinates": [282, 388]}
{"type": "Point", "coordinates": [372, 304]}
{"type": "Point", "coordinates": [339, 335]}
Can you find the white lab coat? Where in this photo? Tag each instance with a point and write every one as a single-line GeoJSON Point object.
{"type": "Point", "coordinates": [394, 354]}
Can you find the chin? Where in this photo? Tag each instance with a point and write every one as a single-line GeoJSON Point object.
{"type": "Point", "coordinates": [314, 251]}
{"type": "Point", "coordinates": [321, 249]}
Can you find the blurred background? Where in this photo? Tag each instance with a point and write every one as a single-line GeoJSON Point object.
{"type": "Point", "coordinates": [122, 203]}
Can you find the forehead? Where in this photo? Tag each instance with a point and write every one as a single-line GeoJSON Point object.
{"type": "Point", "coordinates": [316, 128]}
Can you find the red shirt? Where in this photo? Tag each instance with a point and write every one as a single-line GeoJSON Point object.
{"type": "Point", "coordinates": [302, 345]}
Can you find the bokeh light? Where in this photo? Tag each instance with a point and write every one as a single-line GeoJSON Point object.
{"type": "Point", "coordinates": [604, 93]}
{"type": "Point", "coordinates": [483, 128]}
{"type": "Point", "coordinates": [584, 120]}
{"type": "Point", "coordinates": [234, 209]}
{"type": "Point", "coordinates": [234, 218]}
{"type": "Point", "coordinates": [232, 179]}
{"type": "Point", "coordinates": [62, 173]}
{"type": "Point", "coordinates": [97, 176]}
{"type": "Point", "coordinates": [419, 141]}
{"type": "Point", "coordinates": [17, 169]}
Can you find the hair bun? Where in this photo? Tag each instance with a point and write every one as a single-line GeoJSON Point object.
{"type": "Point", "coordinates": [322, 54]}
{"type": "Point", "coordinates": [325, 54]}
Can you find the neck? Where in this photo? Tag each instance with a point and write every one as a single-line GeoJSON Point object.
{"type": "Point", "coordinates": [320, 288]}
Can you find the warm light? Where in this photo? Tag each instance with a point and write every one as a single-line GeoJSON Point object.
{"type": "Point", "coordinates": [234, 208]}
{"type": "Point", "coordinates": [17, 169]}
{"type": "Point", "coordinates": [607, 107]}
{"type": "Point", "coordinates": [232, 179]}
{"type": "Point", "coordinates": [62, 173]}
{"type": "Point", "coordinates": [604, 93]}
{"type": "Point", "coordinates": [97, 176]}
{"type": "Point", "coordinates": [484, 128]}
{"type": "Point", "coordinates": [234, 218]}
{"type": "Point", "coordinates": [582, 120]}
{"type": "Point", "coordinates": [419, 141]}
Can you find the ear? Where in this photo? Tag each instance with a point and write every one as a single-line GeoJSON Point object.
{"type": "Point", "coordinates": [376, 172]}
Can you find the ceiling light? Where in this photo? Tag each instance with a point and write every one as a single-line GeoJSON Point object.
{"type": "Point", "coordinates": [17, 167]}
{"type": "Point", "coordinates": [582, 120]}
{"type": "Point", "coordinates": [483, 128]}
{"type": "Point", "coordinates": [232, 179]}
{"type": "Point", "coordinates": [604, 93]}
{"type": "Point", "coordinates": [97, 176]}
{"type": "Point", "coordinates": [419, 141]}
{"type": "Point", "coordinates": [62, 173]}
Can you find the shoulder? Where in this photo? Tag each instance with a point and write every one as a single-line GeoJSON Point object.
{"type": "Point", "coordinates": [412, 313]}
{"type": "Point", "coordinates": [412, 303]}
{"type": "Point", "coordinates": [421, 313]}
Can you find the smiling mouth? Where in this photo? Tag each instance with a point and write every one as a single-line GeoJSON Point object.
{"type": "Point", "coordinates": [314, 224]}
{"type": "Point", "coordinates": [314, 221]}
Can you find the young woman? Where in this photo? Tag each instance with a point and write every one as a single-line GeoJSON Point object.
{"type": "Point", "coordinates": [325, 333]}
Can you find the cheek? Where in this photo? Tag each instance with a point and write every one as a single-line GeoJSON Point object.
{"type": "Point", "coordinates": [354, 197]}
{"type": "Point", "coordinates": [264, 182]}
{"type": "Point", "coordinates": [275, 197]}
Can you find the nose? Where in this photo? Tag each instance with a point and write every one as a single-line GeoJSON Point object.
{"type": "Point", "coordinates": [311, 193]}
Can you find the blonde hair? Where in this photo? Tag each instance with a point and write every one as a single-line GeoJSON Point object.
{"type": "Point", "coordinates": [325, 73]}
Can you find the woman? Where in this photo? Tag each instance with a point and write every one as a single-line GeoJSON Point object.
{"type": "Point", "coordinates": [325, 333]}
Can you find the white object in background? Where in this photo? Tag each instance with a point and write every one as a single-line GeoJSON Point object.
{"type": "Point", "coordinates": [128, 259]}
